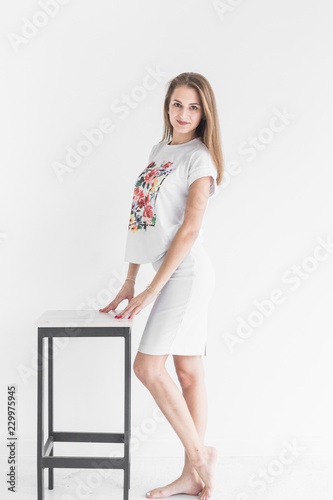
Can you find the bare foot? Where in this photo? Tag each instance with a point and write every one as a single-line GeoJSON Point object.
{"type": "Point", "coordinates": [187, 483]}
{"type": "Point", "coordinates": [206, 471]}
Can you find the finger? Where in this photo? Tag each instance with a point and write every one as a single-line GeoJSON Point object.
{"type": "Point", "coordinates": [104, 309]}
{"type": "Point", "coordinates": [124, 312]}
{"type": "Point", "coordinates": [111, 306]}
{"type": "Point", "coordinates": [121, 314]}
{"type": "Point", "coordinates": [129, 308]}
{"type": "Point", "coordinates": [134, 313]}
{"type": "Point", "coordinates": [108, 309]}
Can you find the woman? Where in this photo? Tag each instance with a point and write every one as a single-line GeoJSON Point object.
{"type": "Point", "coordinates": [169, 202]}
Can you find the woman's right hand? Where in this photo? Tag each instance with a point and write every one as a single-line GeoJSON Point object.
{"type": "Point", "coordinates": [126, 292]}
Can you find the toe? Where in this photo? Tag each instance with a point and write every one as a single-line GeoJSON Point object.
{"type": "Point", "coordinates": [203, 495]}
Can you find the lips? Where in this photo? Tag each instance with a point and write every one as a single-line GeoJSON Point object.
{"type": "Point", "coordinates": [182, 123]}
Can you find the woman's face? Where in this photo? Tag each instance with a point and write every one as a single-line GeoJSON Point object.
{"type": "Point", "coordinates": [185, 110]}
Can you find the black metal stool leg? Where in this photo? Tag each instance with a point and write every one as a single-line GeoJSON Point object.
{"type": "Point", "coordinates": [50, 404]}
{"type": "Point", "coordinates": [127, 416]}
{"type": "Point", "coordinates": [40, 420]}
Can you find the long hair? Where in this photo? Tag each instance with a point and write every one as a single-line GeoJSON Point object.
{"type": "Point", "coordinates": [208, 128]}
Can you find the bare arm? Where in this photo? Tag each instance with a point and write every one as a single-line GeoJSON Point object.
{"type": "Point", "coordinates": [187, 233]}
{"type": "Point", "coordinates": [133, 270]}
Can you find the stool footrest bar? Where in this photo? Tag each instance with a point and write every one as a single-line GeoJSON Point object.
{"type": "Point", "coordinates": [84, 462]}
{"type": "Point", "coordinates": [89, 437]}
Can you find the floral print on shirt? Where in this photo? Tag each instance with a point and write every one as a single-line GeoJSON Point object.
{"type": "Point", "coordinates": [143, 210]}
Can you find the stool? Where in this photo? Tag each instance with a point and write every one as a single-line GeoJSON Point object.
{"type": "Point", "coordinates": [75, 324]}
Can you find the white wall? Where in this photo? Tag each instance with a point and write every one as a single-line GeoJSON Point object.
{"type": "Point", "coordinates": [63, 235]}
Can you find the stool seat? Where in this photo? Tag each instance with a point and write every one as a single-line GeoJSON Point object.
{"type": "Point", "coordinates": [81, 323]}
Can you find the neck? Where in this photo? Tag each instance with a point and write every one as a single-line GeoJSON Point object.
{"type": "Point", "coordinates": [181, 139]}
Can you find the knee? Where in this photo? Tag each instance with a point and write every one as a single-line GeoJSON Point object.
{"type": "Point", "coordinates": [145, 373]}
{"type": "Point", "coordinates": [138, 369]}
{"type": "Point", "coordinates": [188, 378]}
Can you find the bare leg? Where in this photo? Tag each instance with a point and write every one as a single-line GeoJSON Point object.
{"type": "Point", "coordinates": [190, 373]}
{"type": "Point", "coordinates": [153, 374]}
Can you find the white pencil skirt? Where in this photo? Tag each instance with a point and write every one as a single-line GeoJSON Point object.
{"type": "Point", "coordinates": [178, 320]}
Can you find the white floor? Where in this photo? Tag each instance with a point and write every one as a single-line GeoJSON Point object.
{"type": "Point", "coordinates": [307, 478]}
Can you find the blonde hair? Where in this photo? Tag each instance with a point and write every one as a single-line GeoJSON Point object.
{"type": "Point", "coordinates": [208, 128]}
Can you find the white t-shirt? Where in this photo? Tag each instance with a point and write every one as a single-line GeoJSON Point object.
{"type": "Point", "coordinates": [160, 195]}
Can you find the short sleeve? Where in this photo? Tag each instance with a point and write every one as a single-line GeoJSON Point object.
{"type": "Point", "coordinates": [201, 165]}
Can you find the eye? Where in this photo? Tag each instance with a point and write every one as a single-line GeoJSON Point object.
{"type": "Point", "coordinates": [196, 107]}
{"type": "Point", "coordinates": [176, 104]}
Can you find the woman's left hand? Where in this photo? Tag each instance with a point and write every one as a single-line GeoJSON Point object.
{"type": "Point", "coordinates": [137, 304]}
